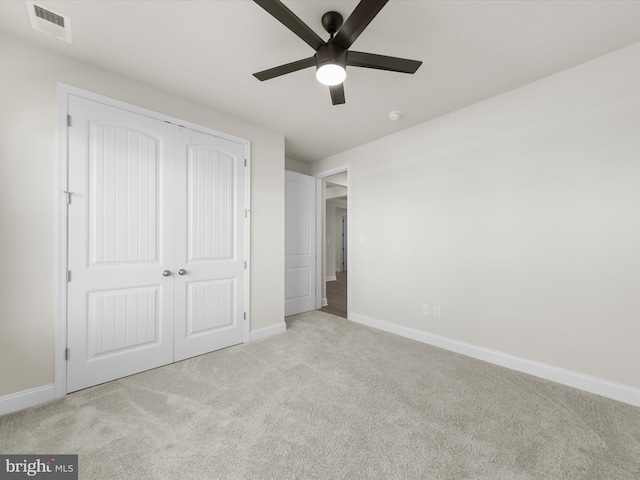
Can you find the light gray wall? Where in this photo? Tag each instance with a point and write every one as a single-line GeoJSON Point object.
{"type": "Point", "coordinates": [296, 166]}
{"type": "Point", "coordinates": [518, 216]}
{"type": "Point", "coordinates": [338, 179]}
{"type": "Point", "coordinates": [333, 237]}
{"type": "Point", "coordinates": [330, 239]}
{"type": "Point", "coordinates": [331, 222]}
{"type": "Point", "coordinates": [29, 195]}
{"type": "Point", "coordinates": [338, 236]}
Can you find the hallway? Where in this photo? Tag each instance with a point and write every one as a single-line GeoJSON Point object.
{"type": "Point", "coordinates": [337, 296]}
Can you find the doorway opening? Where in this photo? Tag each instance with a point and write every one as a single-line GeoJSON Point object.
{"type": "Point", "coordinates": [335, 244]}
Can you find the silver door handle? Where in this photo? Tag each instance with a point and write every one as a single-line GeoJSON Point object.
{"type": "Point", "coordinates": [166, 273]}
{"type": "Point", "coordinates": [182, 271]}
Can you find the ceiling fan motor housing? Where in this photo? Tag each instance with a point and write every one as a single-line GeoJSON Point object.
{"type": "Point", "coordinates": [331, 53]}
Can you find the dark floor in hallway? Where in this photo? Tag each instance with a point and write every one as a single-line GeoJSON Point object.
{"type": "Point", "coordinates": [337, 296]}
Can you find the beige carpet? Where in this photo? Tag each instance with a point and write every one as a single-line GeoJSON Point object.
{"type": "Point", "coordinates": [331, 399]}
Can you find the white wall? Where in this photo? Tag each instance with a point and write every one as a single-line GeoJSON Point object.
{"type": "Point", "coordinates": [28, 198]}
{"type": "Point", "coordinates": [518, 216]}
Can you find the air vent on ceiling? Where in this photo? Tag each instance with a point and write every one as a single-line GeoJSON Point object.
{"type": "Point", "coordinates": [48, 21]}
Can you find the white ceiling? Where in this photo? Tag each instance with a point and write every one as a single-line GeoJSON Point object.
{"type": "Point", "coordinates": [206, 51]}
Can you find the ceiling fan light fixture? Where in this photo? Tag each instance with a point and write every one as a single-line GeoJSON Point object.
{"type": "Point", "coordinates": [331, 64]}
{"type": "Point", "coordinates": [331, 74]}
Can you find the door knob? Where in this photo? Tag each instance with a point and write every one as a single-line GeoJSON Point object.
{"type": "Point", "coordinates": [182, 271]}
{"type": "Point", "coordinates": [166, 273]}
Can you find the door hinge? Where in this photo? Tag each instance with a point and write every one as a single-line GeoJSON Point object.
{"type": "Point", "coordinates": [246, 213]}
{"type": "Point", "coordinates": [66, 354]}
{"type": "Point", "coordinates": [245, 264]}
{"type": "Point", "coordinates": [68, 275]}
{"type": "Point", "coordinates": [245, 162]}
{"type": "Point", "coordinates": [68, 194]}
{"type": "Point", "coordinates": [68, 120]}
{"type": "Point", "coordinates": [245, 315]}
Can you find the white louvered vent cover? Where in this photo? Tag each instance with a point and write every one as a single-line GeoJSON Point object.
{"type": "Point", "coordinates": [48, 21]}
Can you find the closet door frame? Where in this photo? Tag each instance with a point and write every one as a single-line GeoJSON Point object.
{"type": "Point", "coordinates": [60, 330]}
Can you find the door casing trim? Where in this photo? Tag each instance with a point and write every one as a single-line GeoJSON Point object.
{"type": "Point", "coordinates": [60, 331]}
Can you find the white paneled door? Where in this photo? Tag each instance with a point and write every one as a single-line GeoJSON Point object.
{"type": "Point", "coordinates": [300, 243]}
{"type": "Point", "coordinates": [210, 211]}
{"type": "Point", "coordinates": [156, 251]}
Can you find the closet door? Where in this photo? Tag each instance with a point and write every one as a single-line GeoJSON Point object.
{"type": "Point", "coordinates": [156, 235]}
{"type": "Point", "coordinates": [121, 243]}
{"type": "Point", "coordinates": [210, 259]}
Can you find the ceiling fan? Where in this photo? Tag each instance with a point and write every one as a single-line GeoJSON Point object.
{"type": "Point", "coordinates": [333, 56]}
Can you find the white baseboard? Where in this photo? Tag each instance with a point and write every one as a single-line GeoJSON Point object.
{"type": "Point", "coordinates": [331, 278]}
{"type": "Point", "coordinates": [325, 302]}
{"type": "Point", "coordinates": [267, 331]}
{"type": "Point", "coordinates": [26, 398]}
{"type": "Point", "coordinates": [605, 388]}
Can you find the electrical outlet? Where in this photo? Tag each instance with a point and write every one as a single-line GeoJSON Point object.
{"type": "Point", "coordinates": [436, 312]}
{"type": "Point", "coordinates": [425, 309]}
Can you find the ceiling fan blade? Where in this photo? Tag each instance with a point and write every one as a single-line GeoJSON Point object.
{"type": "Point", "coordinates": [337, 94]}
{"type": "Point", "coordinates": [364, 12]}
{"type": "Point", "coordinates": [285, 16]}
{"type": "Point", "coordinates": [382, 62]}
{"type": "Point", "coordinates": [284, 69]}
